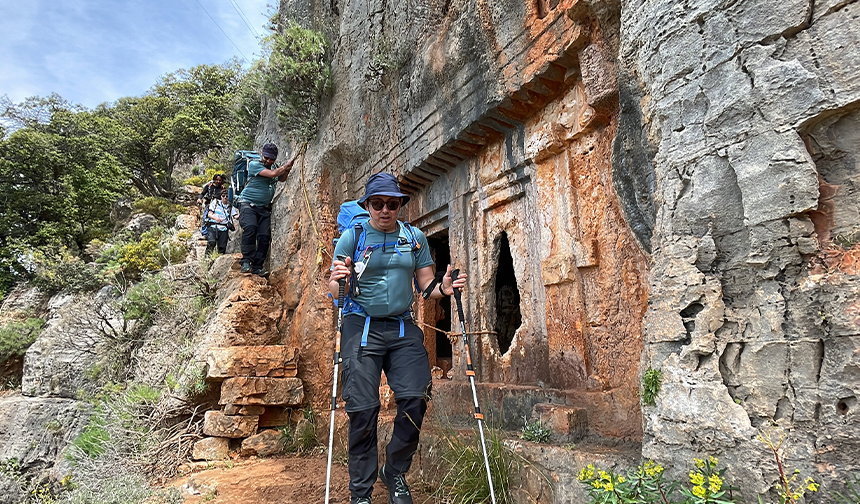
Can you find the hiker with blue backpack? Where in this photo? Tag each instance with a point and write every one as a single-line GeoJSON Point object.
{"type": "Point", "coordinates": [220, 220]}
{"type": "Point", "coordinates": [380, 258]}
{"type": "Point", "coordinates": [211, 191]}
{"type": "Point", "coordinates": [255, 207]}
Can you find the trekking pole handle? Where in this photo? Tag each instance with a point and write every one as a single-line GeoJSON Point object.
{"type": "Point", "coordinates": [455, 273]}
{"type": "Point", "coordinates": [340, 288]}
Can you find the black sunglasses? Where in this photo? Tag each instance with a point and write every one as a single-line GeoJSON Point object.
{"type": "Point", "coordinates": [392, 205]}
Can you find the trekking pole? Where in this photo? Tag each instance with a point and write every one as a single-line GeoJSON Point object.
{"type": "Point", "coordinates": [340, 288]}
{"type": "Point", "coordinates": [470, 372]}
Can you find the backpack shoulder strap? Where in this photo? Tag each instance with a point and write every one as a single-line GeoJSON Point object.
{"type": "Point", "coordinates": [359, 235]}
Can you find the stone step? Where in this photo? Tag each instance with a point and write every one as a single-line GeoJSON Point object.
{"type": "Point", "coordinates": [270, 361]}
{"type": "Point", "coordinates": [217, 424]}
{"type": "Point", "coordinates": [508, 407]}
{"type": "Point", "coordinates": [245, 391]}
{"type": "Point", "coordinates": [567, 424]}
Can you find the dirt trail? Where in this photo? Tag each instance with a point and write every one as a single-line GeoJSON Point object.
{"type": "Point", "coordinates": [279, 480]}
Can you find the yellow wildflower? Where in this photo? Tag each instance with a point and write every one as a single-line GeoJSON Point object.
{"type": "Point", "coordinates": [812, 486]}
{"type": "Point", "coordinates": [621, 479]}
{"type": "Point", "coordinates": [697, 478]}
{"type": "Point", "coordinates": [714, 461]}
{"type": "Point", "coordinates": [714, 483]}
{"type": "Point", "coordinates": [699, 492]}
{"type": "Point", "coordinates": [700, 464]}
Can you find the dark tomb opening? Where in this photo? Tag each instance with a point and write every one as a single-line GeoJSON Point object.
{"type": "Point", "coordinates": [441, 250]}
{"type": "Point", "coordinates": [508, 316]}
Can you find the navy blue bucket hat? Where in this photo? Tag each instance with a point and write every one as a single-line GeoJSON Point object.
{"type": "Point", "coordinates": [270, 150]}
{"type": "Point", "coordinates": [382, 184]}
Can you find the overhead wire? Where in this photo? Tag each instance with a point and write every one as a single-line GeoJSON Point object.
{"type": "Point", "coordinates": [244, 18]}
{"type": "Point", "coordinates": [222, 29]}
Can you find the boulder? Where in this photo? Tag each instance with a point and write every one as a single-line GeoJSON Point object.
{"type": "Point", "coordinates": [36, 431]}
{"type": "Point", "coordinates": [264, 391]}
{"type": "Point", "coordinates": [141, 223]}
{"type": "Point", "coordinates": [273, 361]}
{"type": "Point", "coordinates": [59, 362]}
{"type": "Point", "coordinates": [268, 442]}
{"type": "Point", "coordinates": [218, 424]}
{"type": "Point", "coordinates": [212, 448]}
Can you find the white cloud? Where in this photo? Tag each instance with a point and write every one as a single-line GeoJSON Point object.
{"type": "Point", "coordinates": [92, 51]}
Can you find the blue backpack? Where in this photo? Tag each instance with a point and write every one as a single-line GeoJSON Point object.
{"type": "Point", "coordinates": [241, 160]}
{"type": "Point", "coordinates": [353, 216]}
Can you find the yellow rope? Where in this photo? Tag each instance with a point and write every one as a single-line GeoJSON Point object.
{"type": "Point", "coordinates": [451, 335]}
{"type": "Point", "coordinates": [321, 248]}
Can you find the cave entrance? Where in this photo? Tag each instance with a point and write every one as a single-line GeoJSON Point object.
{"type": "Point", "coordinates": [439, 346]}
{"type": "Point", "coordinates": [508, 315]}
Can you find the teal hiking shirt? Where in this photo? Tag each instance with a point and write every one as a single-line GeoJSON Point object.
{"type": "Point", "coordinates": [386, 283]}
{"type": "Point", "coordinates": [258, 190]}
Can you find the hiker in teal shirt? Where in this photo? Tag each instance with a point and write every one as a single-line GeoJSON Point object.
{"type": "Point", "coordinates": [379, 334]}
{"type": "Point", "coordinates": [255, 208]}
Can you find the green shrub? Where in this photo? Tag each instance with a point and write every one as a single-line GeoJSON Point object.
{"type": "Point", "coordinates": [465, 480]}
{"type": "Point", "coordinates": [652, 380]}
{"type": "Point", "coordinates": [11, 468]}
{"type": "Point", "coordinates": [301, 438]}
{"type": "Point", "coordinates": [160, 208]}
{"type": "Point", "coordinates": [16, 337]}
{"type": "Point", "coordinates": [536, 432]}
{"type": "Point", "coordinates": [152, 252]}
{"type": "Point", "coordinates": [853, 489]}
{"type": "Point", "coordinates": [93, 439]}
{"type": "Point", "coordinates": [298, 77]}
{"type": "Point", "coordinates": [131, 489]}
{"type": "Point", "coordinates": [146, 298]}
{"type": "Point", "coordinates": [56, 270]}
{"type": "Point", "coordinates": [201, 179]}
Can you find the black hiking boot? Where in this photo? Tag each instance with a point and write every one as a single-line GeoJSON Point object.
{"type": "Point", "coordinates": [360, 500]}
{"type": "Point", "coordinates": [246, 267]}
{"type": "Point", "coordinates": [260, 272]}
{"type": "Point", "coordinates": [398, 492]}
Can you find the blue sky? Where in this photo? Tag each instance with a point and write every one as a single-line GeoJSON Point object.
{"type": "Point", "coordinates": [92, 51]}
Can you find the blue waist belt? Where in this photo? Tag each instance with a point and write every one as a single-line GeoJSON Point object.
{"type": "Point", "coordinates": [350, 307]}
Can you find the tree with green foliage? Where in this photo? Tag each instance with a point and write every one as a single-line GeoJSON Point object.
{"type": "Point", "coordinates": [185, 115]}
{"type": "Point", "coordinates": [58, 180]}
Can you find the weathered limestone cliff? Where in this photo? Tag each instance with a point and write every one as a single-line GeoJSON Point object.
{"type": "Point", "coordinates": [753, 111]}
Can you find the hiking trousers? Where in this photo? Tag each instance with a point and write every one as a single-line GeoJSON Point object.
{"type": "Point", "coordinates": [407, 369]}
{"type": "Point", "coordinates": [216, 237]}
{"type": "Point", "coordinates": [256, 222]}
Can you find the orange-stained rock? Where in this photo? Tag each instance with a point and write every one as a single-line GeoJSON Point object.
{"type": "Point", "coordinates": [268, 442]}
{"type": "Point", "coordinates": [211, 448]}
{"type": "Point", "coordinates": [276, 417]}
{"type": "Point", "coordinates": [265, 391]}
{"type": "Point", "coordinates": [252, 410]}
{"type": "Point", "coordinates": [273, 361]}
{"type": "Point", "coordinates": [218, 424]}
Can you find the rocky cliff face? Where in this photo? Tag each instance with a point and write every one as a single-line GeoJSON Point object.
{"type": "Point", "coordinates": [630, 185]}
{"type": "Point", "coordinates": [752, 109]}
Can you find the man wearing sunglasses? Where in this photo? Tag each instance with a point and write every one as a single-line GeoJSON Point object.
{"type": "Point", "coordinates": [378, 335]}
{"type": "Point", "coordinates": [255, 208]}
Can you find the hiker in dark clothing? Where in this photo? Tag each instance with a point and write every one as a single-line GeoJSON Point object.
{"type": "Point", "coordinates": [211, 190]}
{"type": "Point", "coordinates": [255, 208]}
{"type": "Point", "coordinates": [221, 215]}
{"type": "Point", "coordinates": [379, 334]}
